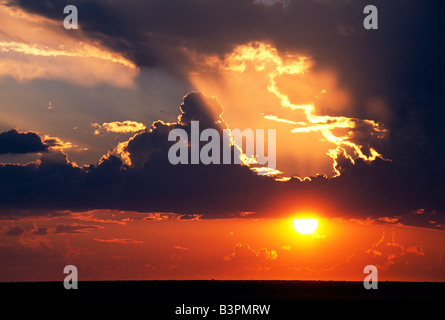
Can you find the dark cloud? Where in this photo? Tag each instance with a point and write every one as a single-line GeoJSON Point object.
{"type": "Point", "coordinates": [177, 187]}
{"type": "Point", "coordinates": [41, 232]}
{"type": "Point", "coordinates": [155, 33]}
{"type": "Point", "coordinates": [400, 66]}
{"type": "Point", "coordinates": [151, 184]}
{"type": "Point", "coordinates": [16, 142]}
{"type": "Point", "coordinates": [15, 231]}
{"type": "Point", "coordinates": [153, 143]}
{"type": "Point", "coordinates": [74, 229]}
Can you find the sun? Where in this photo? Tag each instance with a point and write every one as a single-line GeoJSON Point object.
{"type": "Point", "coordinates": [305, 226]}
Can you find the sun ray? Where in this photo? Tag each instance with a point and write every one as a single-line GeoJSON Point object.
{"type": "Point", "coordinates": [263, 57]}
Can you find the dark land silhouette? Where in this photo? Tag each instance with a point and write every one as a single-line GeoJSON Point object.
{"type": "Point", "coordinates": [284, 297]}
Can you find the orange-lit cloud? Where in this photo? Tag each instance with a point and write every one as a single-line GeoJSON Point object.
{"type": "Point", "coordinates": [275, 118]}
{"type": "Point", "coordinates": [236, 249]}
{"type": "Point", "coordinates": [245, 252]}
{"type": "Point", "coordinates": [387, 255]}
{"type": "Point", "coordinates": [118, 217]}
{"type": "Point", "coordinates": [32, 47]}
{"type": "Point", "coordinates": [56, 143]}
{"type": "Point", "coordinates": [181, 248]}
{"type": "Point", "coordinates": [118, 127]}
{"type": "Point", "coordinates": [208, 111]}
{"type": "Point", "coordinates": [279, 79]}
{"type": "Point", "coordinates": [118, 240]}
{"type": "Point", "coordinates": [83, 50]}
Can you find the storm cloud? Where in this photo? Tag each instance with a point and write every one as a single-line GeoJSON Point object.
{"type": "Point", "coordinates": [394, 75]}
{"type": "Point", "coordinates": [151, 184]}
{"type": "Point", "coordinates": [15, 142]}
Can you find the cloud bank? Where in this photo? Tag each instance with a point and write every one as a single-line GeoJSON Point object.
{"type": "Point", "coordinates": [389, 76]}
{"type": "Point", "coordinates": [149, 183]}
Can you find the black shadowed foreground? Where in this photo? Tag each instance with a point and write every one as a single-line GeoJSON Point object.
{"type": "Point", "coordinates": [229, 299]}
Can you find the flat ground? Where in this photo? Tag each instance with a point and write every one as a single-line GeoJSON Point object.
{"type": "Point", "coordinates": [284, 297]}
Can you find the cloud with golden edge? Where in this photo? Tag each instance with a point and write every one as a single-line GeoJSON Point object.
{"type": "Point", "coordinates": [126, 126]}
{"type": "Point", "coordinates": [31, 47]}
{"type": "Point", "coordinates": [275, 118]}
{"type": "Point", "coordinates": [341, 131]}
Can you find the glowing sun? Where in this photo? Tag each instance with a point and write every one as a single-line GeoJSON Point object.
{"type": "Point", "coordinates": [305, 226]}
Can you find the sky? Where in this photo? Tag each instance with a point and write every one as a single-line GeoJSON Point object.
{"type": "Point", "coordinates": [86, 114]}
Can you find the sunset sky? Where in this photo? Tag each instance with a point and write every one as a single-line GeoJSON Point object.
{"type": "Point", "coordinates": [85, 116]}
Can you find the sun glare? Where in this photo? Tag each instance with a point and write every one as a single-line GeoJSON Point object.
{"type": "Point", "coordinates": [305, 226]}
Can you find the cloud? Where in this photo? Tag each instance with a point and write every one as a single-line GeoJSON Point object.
{"type": "Point", "coordinates": [245, 252]}
{"type": "Point", "coordinates": [150, 144]}
{"type": "Point", "coordinates": [348, 136]}
{"type": "Point", "coordinates": [55, 143]}
{"type": "Point", "coordinates": [352, 53]}
{"type": "Point", "coordinates": [387, 255]}
{"type": "Point", "coordinates": [37, 48]}
{"type": "Point", "coordinates": [85, 50]}
{"type": "Point", "coordinates": [140, 178]}
{"type": "Point", "coordinates": [181, 248]}
{"type": "Point", "coordinates": [139, 33]}
{"type": "Point", "coordinates": [120, 217]}
{"type": "Point", "coordinates": [41, 231]}
{"type": "Point", "coordinates": [13, 142]}
{"type": "Point", "coordinates": [148, 183]}
{"type": "Point", "coordinates": [73, 252]}
{"type": "Point", "coordinates": [118, 127]}
{"type": "Point", "coordinates": [16, 142]}
{"type": "Point", "coordinates": [376, 81]}
{"type": "Point", "coordinates": [275, 118]}
{"type": "Point", "coordinates": [245, 258]}
{"type": "Point", "coordinates": [118, 240]}
{"type": "Point", "coordinates": [15, 231]}
{"type": "Point", "coordinates": [74, 229]}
